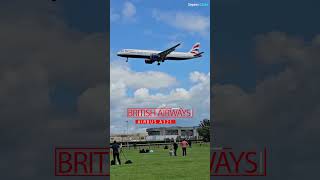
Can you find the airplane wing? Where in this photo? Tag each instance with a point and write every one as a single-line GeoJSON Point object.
{"type": "Point", "coordinates": [164, 53]}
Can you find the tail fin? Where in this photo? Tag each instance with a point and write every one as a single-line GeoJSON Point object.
{"type": "Point", "coordinates": [195, 49]}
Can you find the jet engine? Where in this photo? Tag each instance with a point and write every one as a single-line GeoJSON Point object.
{"type": "Point", "coordinates": [154, 57]}
{"type": "Point", "coordinates": [148, 61]}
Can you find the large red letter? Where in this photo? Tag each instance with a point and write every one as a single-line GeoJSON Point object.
{"type": "Point", "coordinates": [226, 164]}
{"type": "Point", "coordinates": [212, 160]}
{"type": "Point", "coordinates": [66, 161]}
{"type": "Point", "coordinates": [100, 159]}
{"type": "Point", "coordinates": [236, 161]}
{"type": "Point", "coordinates": [77, 162]}
{"type": "Point", "coordinates": [254, 164]}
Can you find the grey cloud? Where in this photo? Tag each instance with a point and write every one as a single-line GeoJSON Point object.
{"type": "Point", "coordinates": [39, 52]}
{"type": "Point", "coordinates": [278, 47]}
{"type": "Point", "coordinates": [282, 110]}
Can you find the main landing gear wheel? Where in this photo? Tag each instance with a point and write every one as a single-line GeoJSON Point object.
{"type": "Point", "coordinates": [127, 60]}
{"type": "Point", "coordinates": [158, 63]}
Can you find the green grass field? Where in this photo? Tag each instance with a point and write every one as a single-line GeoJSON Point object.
{"type": "Point", "coordinates": [160, 166]}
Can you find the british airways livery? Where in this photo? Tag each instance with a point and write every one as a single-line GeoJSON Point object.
{"type": "Point", "coordinates": [152, 56]}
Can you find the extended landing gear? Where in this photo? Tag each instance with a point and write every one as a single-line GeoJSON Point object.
{"type": "Point", "coordinates": [158, 63]}
{"type": "Point", "coordinates": [127, 60]}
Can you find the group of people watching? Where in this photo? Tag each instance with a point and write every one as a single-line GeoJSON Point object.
{"type": "Point", "coordinates": [145, 151]}
{"type": "Point", "coordinates": [116, 149]}
{"type": "Point", "coordinates": [184, 144]}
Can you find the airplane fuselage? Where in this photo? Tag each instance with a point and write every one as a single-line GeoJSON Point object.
{"type": "Point", "coordinates": [137, 53]}
{"type": "Point", "coordinates": [151, 56]}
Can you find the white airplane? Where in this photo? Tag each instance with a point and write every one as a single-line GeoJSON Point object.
{"type": "Point", "coordinates": [160, 56]}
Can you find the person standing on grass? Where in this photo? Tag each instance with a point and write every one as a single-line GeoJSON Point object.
{"type": "Point", "coordinates": [189, 141]}
{"type": "Point", "coordinates": [116, 152]}
{"type": "Point", "coordinates": [175, 147]}
{"type": "Point", "coordinates": [184, 145]}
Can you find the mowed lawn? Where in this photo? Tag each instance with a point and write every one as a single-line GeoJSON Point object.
{"type": "Point", "coordinates": [160, 166]}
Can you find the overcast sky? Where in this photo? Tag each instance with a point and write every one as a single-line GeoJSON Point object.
{"type": "Point", "coordinates": [265, 91]}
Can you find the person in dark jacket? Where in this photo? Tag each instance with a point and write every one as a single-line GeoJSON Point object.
{"type": "Point", "coordinates": [189, 142]}
{"type": "Point", "coordinates": [175, 147]}
{"type": "Point", "coordinates": [116, 152]}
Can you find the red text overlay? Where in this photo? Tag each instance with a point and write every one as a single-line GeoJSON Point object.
{"type": "Point", "coordinates": [81, 161]}
{"type": "Point", "coordinates": [159, 113]}
{"type": "Point", "coordinates": [227, 162]}
{"type": "Point", "coordinates": [155, 121]}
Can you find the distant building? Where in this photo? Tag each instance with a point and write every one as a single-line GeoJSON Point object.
{"type": "Point", "coordinates": [172, 133]}
{"type": "Point", "coordinates": [128, 137]}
